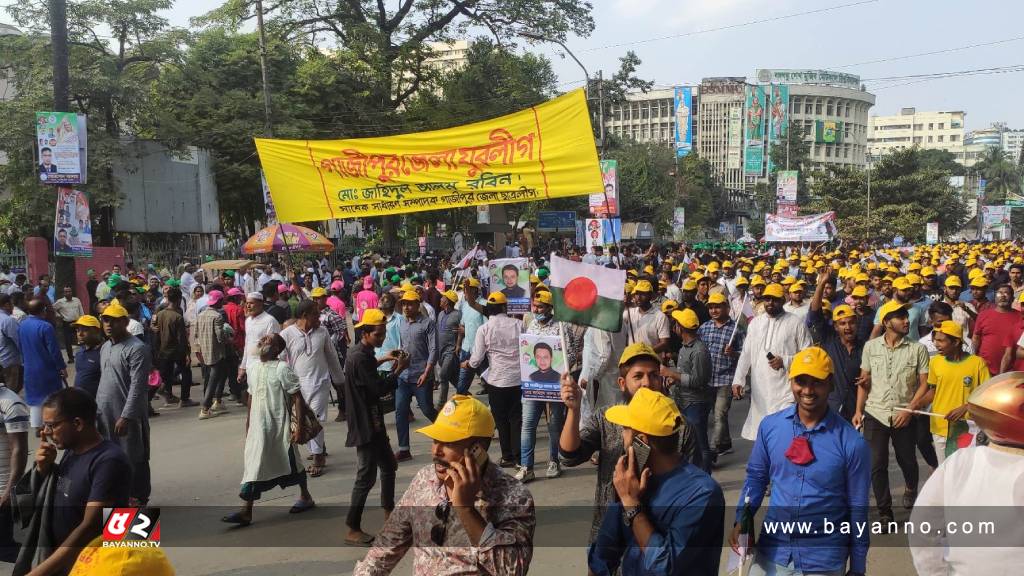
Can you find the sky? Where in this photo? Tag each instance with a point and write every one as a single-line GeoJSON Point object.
{"type": "Point", "coordinates": [736, 37]}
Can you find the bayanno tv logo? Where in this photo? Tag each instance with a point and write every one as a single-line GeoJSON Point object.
{"type": "Point", "coordinates": [131, 527]}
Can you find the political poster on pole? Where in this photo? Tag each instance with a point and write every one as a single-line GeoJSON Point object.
{"type": "Point", "coordinates": [57, 148]}
{"type": "Point", "coordinates": [683, 133]}
{"type": "Point", "coordinates": [678, 223]}
{"type": "Point", "coordinates": [511, 277]}
{"type": "Point", "coordinates": [932, 233]}
{"type": "Point", "coordinates": [268, 201]}
{"type": "Point", "coordinates": [593, 231]}
{"type": "Point", "coordinates": [541, 365]}
{"type": "Point", "coordinates": [72, 226]}
{"type": "Point", "coordinates": [606, 202]}
{"type": "Point", "coordinates": [814, 228]}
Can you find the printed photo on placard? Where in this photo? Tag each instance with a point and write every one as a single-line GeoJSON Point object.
{"type": "Point", "coordinates": [541, 364]}
{"type": "Point", "coordinates": [511, 277]}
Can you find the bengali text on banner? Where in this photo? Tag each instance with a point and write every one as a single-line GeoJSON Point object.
{"type": "Point", "coordinates": [546, 151]}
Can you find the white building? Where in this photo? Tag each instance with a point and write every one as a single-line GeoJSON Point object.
{"type": "Point", "coordinates": [927, 130]}
{"type": "Point", "coordinates": [448, 56]}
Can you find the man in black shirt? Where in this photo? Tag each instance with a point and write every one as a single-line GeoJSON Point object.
{"type": "Point", "coordinates": [364, 387]}
{"type": "Point", "coordinates": [94, 474]}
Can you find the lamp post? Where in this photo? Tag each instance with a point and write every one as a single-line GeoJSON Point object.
{"type": "Point", "coordinates": [868, 223]}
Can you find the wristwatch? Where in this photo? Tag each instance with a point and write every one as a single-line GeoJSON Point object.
{"type": "Point", "coordinates": [629, 514]}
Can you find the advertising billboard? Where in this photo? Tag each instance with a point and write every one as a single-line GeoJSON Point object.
{"type": "Point", "coordinates": [58, 147]}
{"type": "Point", "coordinates": [823, 77]}
{"type": "Point", "coordinates": [778, 120]}
{"type": "Point", "coordinates": [683, 136]}
{"type": "Point", "coordinates": [754, 109]}
{"type": "Point", "coordinates": [814, 228]}
{"type": "Point", "coordinates": [72, 227]}
{"type": "Point", "coordinates": [932, 233]}
{"type": "Point", "coordinates": [735, 139]}
{"type": "Point", "coordinates": [610, 193]}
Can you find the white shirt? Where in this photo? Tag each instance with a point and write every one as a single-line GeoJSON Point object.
{"type": "Point", "coordinates": [255, 328]}
{"type": "Point", "coordinates": [800, 311]}
{"type": "Point", "coordinates": [135, 328]}
{"type": "Point", "coordinates": [69, 311]}
{"type": "Point", "coordinates": [13, 419]}
{"type": "Point", "coordinates": [187, 282]}
{"type": "Point", "coordinates": [498, 340]}
{"type": "Point", "coordinates": [783, 336]}
{"type": "Point", "coordinates": [312, 356]}
{"type": "Point", "coordinates": [979, 483]}
{"type": "Point", "coordinates": [648, 327]}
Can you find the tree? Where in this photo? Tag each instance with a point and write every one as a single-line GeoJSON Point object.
{"type": "Point", "coordinates": [1001, 177]}
{"type": "Point", "coordinates": [698, 189]}
{"type": "Point", "coordinates": [794, 151]}
{"type": "Point", "coordinates": [906, 191]}
{"type": "Point", "coordinates": [110, 78]}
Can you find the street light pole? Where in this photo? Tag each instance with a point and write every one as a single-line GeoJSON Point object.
{"type": "Point", "coordinates": [869, 197]}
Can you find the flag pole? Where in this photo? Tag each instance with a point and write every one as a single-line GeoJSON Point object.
{"type": "Point", "coordinates": [743, 305]}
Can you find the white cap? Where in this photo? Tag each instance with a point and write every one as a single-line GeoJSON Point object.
{"type": "Point", "coordinates": [254, 296]}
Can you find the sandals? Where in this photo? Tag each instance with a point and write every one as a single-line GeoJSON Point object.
{"type": "Point", "coordinates": [301, 506]}
{"type": "Point", "coordinates": [315, 470]}
{"type": "Point", "coordinates": [237, 519]}
{"type": "Point", "coordinates": [364, 540]}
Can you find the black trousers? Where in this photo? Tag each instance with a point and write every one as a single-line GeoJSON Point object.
{"type": "Point", "coordinates": [507, 409]}
{"type": "Point", "coordinates": [69, 339]}
{"type": "Point", "coordinates": [924, 439]}
{"type": "Point", "coordinates": [904, 444]}
{"type": "Point", "coordinates": [375, 454]}
{"type": "Point", "coordinates": [8, 545]}
{"type": "Point", "coordinates": [171, 369]}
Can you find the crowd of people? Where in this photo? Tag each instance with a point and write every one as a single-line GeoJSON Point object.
{"type": "Point", "coordinates": [842, 354]}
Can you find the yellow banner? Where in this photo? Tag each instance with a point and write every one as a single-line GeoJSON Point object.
{"type": "Point", "coordinates": [544, 152]}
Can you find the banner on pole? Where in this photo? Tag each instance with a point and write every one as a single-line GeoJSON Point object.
{"type": "Point", "coordinates": [995, 218]}
{"type": "Point", "coordinates": [72, 228]}
{"type": "Point", "coordinates": [546, 151]}
{"type": "Point", "coordinates": [932, 233]}
{"type": "Point", "coordinates": [735, 137]}
{"type": "Point", "coordinates": [679, 224]}
{"type": "Point", "coordinates": [58, 147]}
{"type": "Point", "coordinates": [814, 228]}
{"type": "Point", "coordinates": [683, 135]}
{"type": "Point", "coordinates": [610, 179]}
{"type": "Point", "coordinates": [778, 119]}
{"type": "Point", "coordinates": [754, 108]}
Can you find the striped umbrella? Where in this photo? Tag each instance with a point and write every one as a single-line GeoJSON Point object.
{"type": "Point", "coordinates": [286, 238]}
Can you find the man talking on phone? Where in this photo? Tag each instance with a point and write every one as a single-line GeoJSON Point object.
{"type": "Point", "coordinates": [462, 514]}
{"type": "Point", "coordinates": [669, 515]}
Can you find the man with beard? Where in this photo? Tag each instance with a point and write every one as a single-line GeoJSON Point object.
{"type": "Point", "coordinates": [839, 339]}
{"type": "Point", "coordinates": [963, 314]}
{"type": "Point", "coordinates": [903, 294]}
{"type": "Point", "coordinates": [994, 328]}
{"type": "Point", "coordinates": [690, 301]}
{"type": "Point", "coordinates": [639, 367]}
{"type": "Point", "coordinates": [893, 367]}
{"type": "Point", "coordinates": [645, 323]}
{"type": "Point", "coordinates": [773, 339]}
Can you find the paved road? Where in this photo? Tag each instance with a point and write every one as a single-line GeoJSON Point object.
{"type": "Point", "coordinates": [197, 465]}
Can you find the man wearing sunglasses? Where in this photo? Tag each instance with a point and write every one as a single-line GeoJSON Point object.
{"type": "Point", "coordinates": [462, 514]}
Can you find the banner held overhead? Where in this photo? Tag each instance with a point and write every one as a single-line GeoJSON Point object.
{"type": "Point", "coordinates": [546, 151]}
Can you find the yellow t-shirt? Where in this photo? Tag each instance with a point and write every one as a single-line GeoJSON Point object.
{"type": "Point", "coordinates": [953, 383]}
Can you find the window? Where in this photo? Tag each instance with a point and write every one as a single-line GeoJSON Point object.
{"type": "Point", "coordinates": [794, 106]}
{"type": "Point", "coordinates": [942, 125]}
{"type": "Point", "coordinates": [930, 139]}
{"type": "Point", "coordinates": [817, 107]}
{"type": "Point", "coordinates": [954, 137]}
{"type": "Point", "coordinates": [645, 113]}
{"type": "Point", "coordinates": [828, 151]}
{"type": "Point", "coordinates": [941, 137]}
{"type": "Point", "coordinates": [846, 110]}
{"type": "Point", "coordinates": [807, 106]}
{"type": "Point", "coordinates": [846, 151]}
{"type": "Point", "coordinates": [918, 126]}
{"type": "Point", "coordinates": [917, 139]}
{"type": "Point", "coordinates": [931, 126]}
{"type": "Point", "coordinates": [828, 108]}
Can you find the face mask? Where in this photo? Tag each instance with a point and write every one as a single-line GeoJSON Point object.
{"type": "Point", "coordinates": [799, 452]}
{"type": "Point", "coordinates": [543, 317]}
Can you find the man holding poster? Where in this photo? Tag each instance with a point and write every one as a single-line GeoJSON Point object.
{"type": "Point", "coordinates": [511, 277]}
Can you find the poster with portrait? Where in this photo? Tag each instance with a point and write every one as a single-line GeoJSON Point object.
{"type": "Point", "coordinates": [683, 105]}
{"type": "Point", "coordinates": [72, 228]}
{"type": "Point", "coordinates": [753, 134]}
{"type": "Point", "coordinates": [57, 148]}
{"type": "Point", "coordinates": [541, 365]}
{"type": "Point", "coordinates": [679, 223]}
{"type": "Point", "coordinates": [511, 277]}
{"type": "Point", "coordinates": [268, 201]}
{"type": "Point", "coordinates": [606, 202]}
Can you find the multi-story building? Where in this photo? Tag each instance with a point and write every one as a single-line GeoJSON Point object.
{"type": "Point", "coordinates": [927, 130]}
{"type": "Point", "coordinates": [719, 134]}
{"type": "Point", "coordinates": [997, 135]}
{"type": "Point", "coordinates": [647, 117]}
{"type": "Point", "coordinates": [1013, 143]}
{"type": "Point", "coordinates": [448, 56]}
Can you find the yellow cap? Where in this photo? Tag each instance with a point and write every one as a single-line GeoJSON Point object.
{"type": "Point", "coordinates": [410, 296]}
{"type": "Point", "coordinates": [649, 412]}
{"type": "Point", "coordinates": [689, 285]}
{"type": "Point", "coordinates": [914, 279]}
{"type": "Point", "coordinates": [954, 282]}
{"type": "Point", "coordinates": [813, 362]}
{"type": "Point", "coordinates": [797, 287]}
{"type": "Point", "coordinates": [927, 271]}
{"type": "Point", "coordinates": [630, 284]}
{"type": "Point", "coordinates": [901, 283]}
{"type": "Point", "coordinates": [974, 273]}
{"type": "Point", "coordinates": [534, 279]}
{"type": "Point", "coordinates": [716, 298]}
{"type": "Point", "coordinates": [544, 297]}
{"type": "Point", "coordinates": [497, 298]}
{"type": "Point", "coordinates": [773, 291]}
{"type": "Point", "coordinates": [758, 280]}
{"type": "Point", "coordinates": [451, 295]}
{"type": "Point", "coordinates": [669, 305]}
{"type": "Point", "coordinates": [461, 417]}
{"type": "Point", "coordinates": [317, 293]}
{"type": "Point", "coordinates": [914, 266]}
{"type": "Point", "coordinates": [472, 282]}
{"type": "Point", "coordinates": [643, 286]}
{"type": "Point", "coordinates": [842, 311]}
{"type": "Point", "coordinates": [713, 267]}
{"type": "Point", "coordinates": [114, 310]}
{"type": "Point", "coordinates": [788, 280]}
{"type": "Point", "coordinates": [950, 328]}
{"type": "Point", "coordinates": [861, 277]}
{"type": "Point", "coordinates": [859, 292]}
{"type": "Point", "coordinates": [979, 282]}
{"type": "Point", "coordinates": [890, 307]}
{"type": "Point", "coordinates": [636, 350]}
{"type": "Point", "coordinates": [727, 264]}
{"type": "Point", "coordinates": [742, 281]}
{"type": "Point", "coordinates": [87, 320]}
{"type": "Point", "coordinates": [686, 318]}
{"type": "Point", "coordinates": [648, 269]}
{"type": "Point", "coordinates": [98, 560]}
{"type": "Point", "coordinates": [372, 317]}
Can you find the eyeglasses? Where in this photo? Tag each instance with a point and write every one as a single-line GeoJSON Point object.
{"type": "Point", "coordinates": [437, 533]}
{"type": "Point", "coordinates": [51, 426]}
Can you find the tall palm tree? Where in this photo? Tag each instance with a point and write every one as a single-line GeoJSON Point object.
{"type": "Point", "coordinates": [1002, 177]}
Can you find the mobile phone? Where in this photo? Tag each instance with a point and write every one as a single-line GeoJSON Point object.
{"type": "Point", "coordinates": [479, 456]}
{"type": "Point", "coordinates": [641, 452]}
{"type": "Point", "coordinates": [770, 356]}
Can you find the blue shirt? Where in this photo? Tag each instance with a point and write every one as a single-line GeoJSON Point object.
{"type": "Point", "coordinates": [42, 357]}
{"type": "Point", "coordinates": [87, 369]}
{"type": "Point", "coordinates": [687, 509]}
{"type": "Point", "coordinates": [834, 486]}
{"type": "Point", "coordinates": [471, 322]}
{"type": "Point", "coordinates": [392, 339]}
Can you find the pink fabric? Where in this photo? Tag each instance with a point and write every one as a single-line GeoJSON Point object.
{"type": "Point", "coordinates": [337, 305]}
{"type": "Point", "coordinates": [365, 300]}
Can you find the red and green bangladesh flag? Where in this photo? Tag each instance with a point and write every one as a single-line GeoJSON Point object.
{"type": "Point", "coordinates": [587, 294]}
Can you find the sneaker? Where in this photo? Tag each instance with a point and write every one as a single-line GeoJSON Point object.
{"type": "Point", "coordinates": [524, 475]}
{"type": "Point", "coordinates": [187, 403]}
{"type": "Point", "coordinates": [554, 470]}
{"type": "Point", "coordinates": [205, 414]}
{"type": "Point", "coordinates": [403, 456]}
{"type": "Point", "coordinates": [218, 408]}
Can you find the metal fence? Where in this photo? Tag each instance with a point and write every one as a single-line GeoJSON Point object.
{"type": "Point", "coordinates": [16, 260]}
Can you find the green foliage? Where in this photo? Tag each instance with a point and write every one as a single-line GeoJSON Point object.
{"type": "Point", "coordinates": [698, 190]}
{"type": "Point", "coordinates": [907, 190]}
